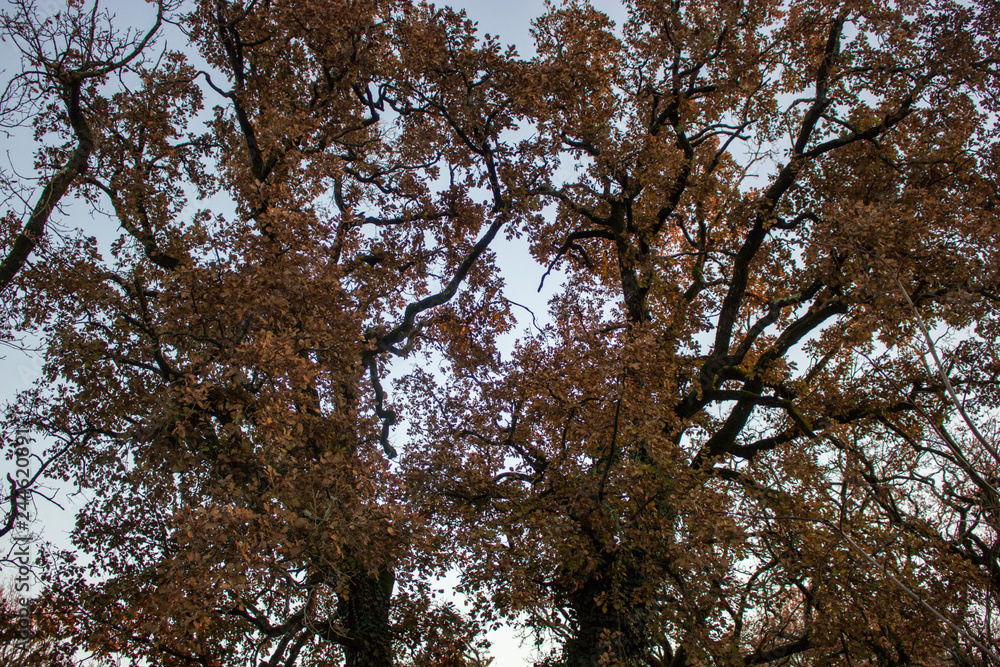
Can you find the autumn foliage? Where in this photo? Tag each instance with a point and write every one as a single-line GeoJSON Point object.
{"type": "Point", "coordinates": [756, 426]}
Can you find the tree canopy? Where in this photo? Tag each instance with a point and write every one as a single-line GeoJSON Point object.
{"type": "Point", "coordinates": [756, 427]}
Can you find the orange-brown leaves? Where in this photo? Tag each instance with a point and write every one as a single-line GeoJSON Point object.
{"type": "Point", "coordinates": [726, 440]}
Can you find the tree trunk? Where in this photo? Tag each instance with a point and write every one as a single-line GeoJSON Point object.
{"type": "Point", "coordinates": [365, 611]}
{"type": "Point", "coordinates": [601, 629]}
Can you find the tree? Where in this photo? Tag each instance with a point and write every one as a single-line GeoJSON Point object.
{"type": "Point", "coordinates": [724, 448]}
{"type": "Point", "coordinates": [726, 442]}
{"type": "Point", "coordinates": [36, 640]}
{"type": "Point", "coordinates": [67, 79]}
{"type": "Point", "coordinates": [215, 382]}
